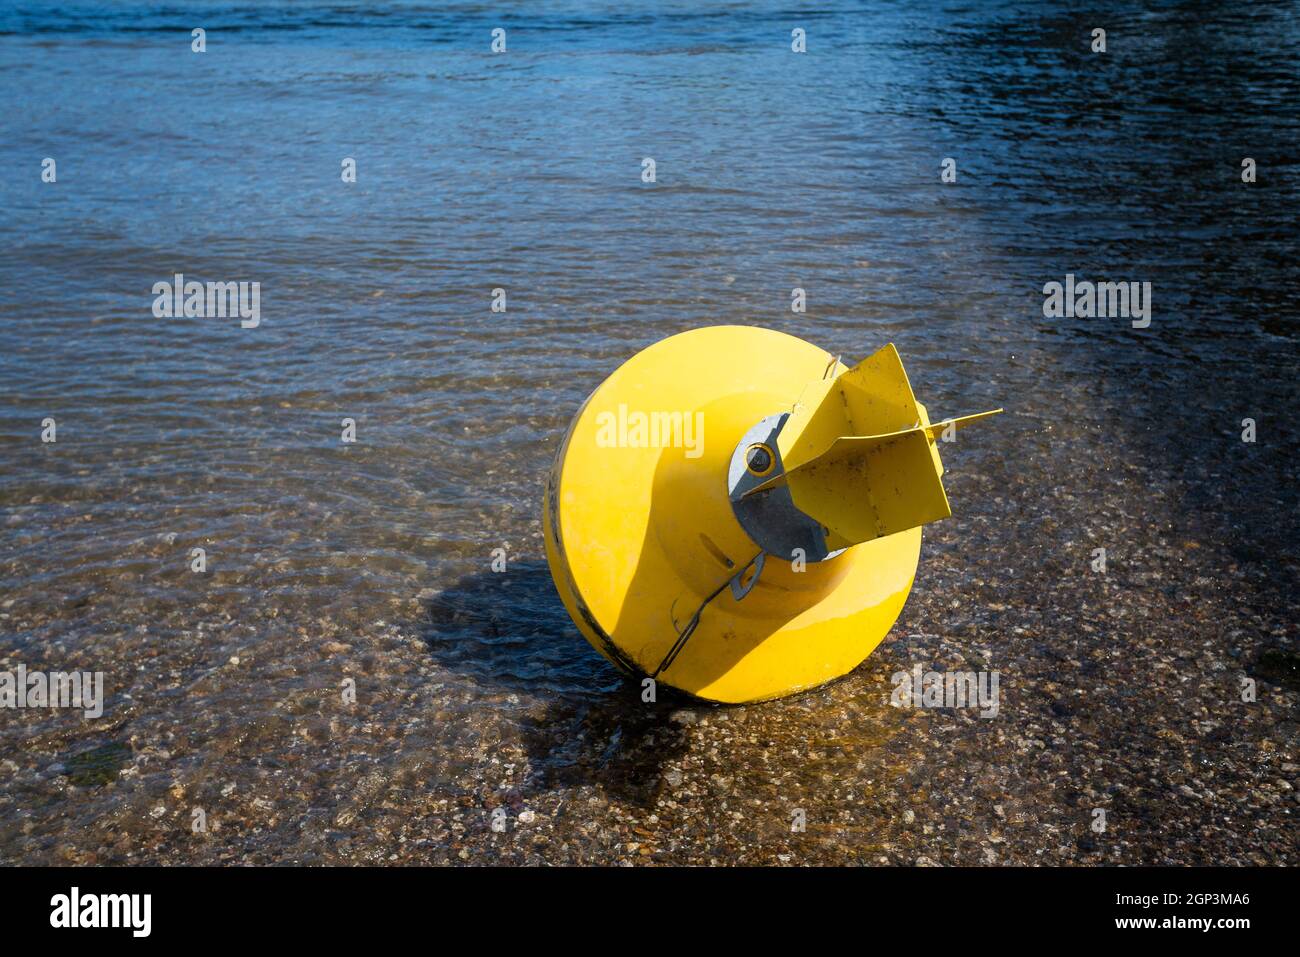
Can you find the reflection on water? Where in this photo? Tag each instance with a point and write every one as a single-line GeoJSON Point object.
{"type": "Point", "coordinates": [370, 561]}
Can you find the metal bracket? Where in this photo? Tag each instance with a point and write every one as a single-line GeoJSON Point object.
{"type": "Point", "coordinates": [738, 590]}
{"type": "Point", "coordinates": [769, 517]}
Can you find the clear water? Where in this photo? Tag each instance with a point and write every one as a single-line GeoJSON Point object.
{"type": "Point", "coordinates": [370, 561]}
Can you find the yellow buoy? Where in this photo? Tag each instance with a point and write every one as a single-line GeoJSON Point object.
{"type": "Point", "coordinates": [738, 515]}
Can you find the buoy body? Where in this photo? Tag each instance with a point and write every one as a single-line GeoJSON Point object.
{"type": "Point", "coordinates": [692, 537]}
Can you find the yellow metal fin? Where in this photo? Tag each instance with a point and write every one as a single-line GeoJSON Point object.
{"type": "Point", "coordinates": [868, 486]}
{"type": "Point", "coordinates": [860, 455]}
{"type": "Point", "coordinates": [938, 428]}
{"type": "Point", "coordinates": [877, 396]}
{"type": "Point", "coordinates": [872, 398]}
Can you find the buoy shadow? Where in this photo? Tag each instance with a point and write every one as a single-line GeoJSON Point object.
{"type": "Point", "coordinates": [510, 632]}
{"type": "Point", "coordinates": [615, 743]}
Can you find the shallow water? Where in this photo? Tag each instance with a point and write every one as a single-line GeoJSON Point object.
{"type": "Point", "coordinates": [370, 561]}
